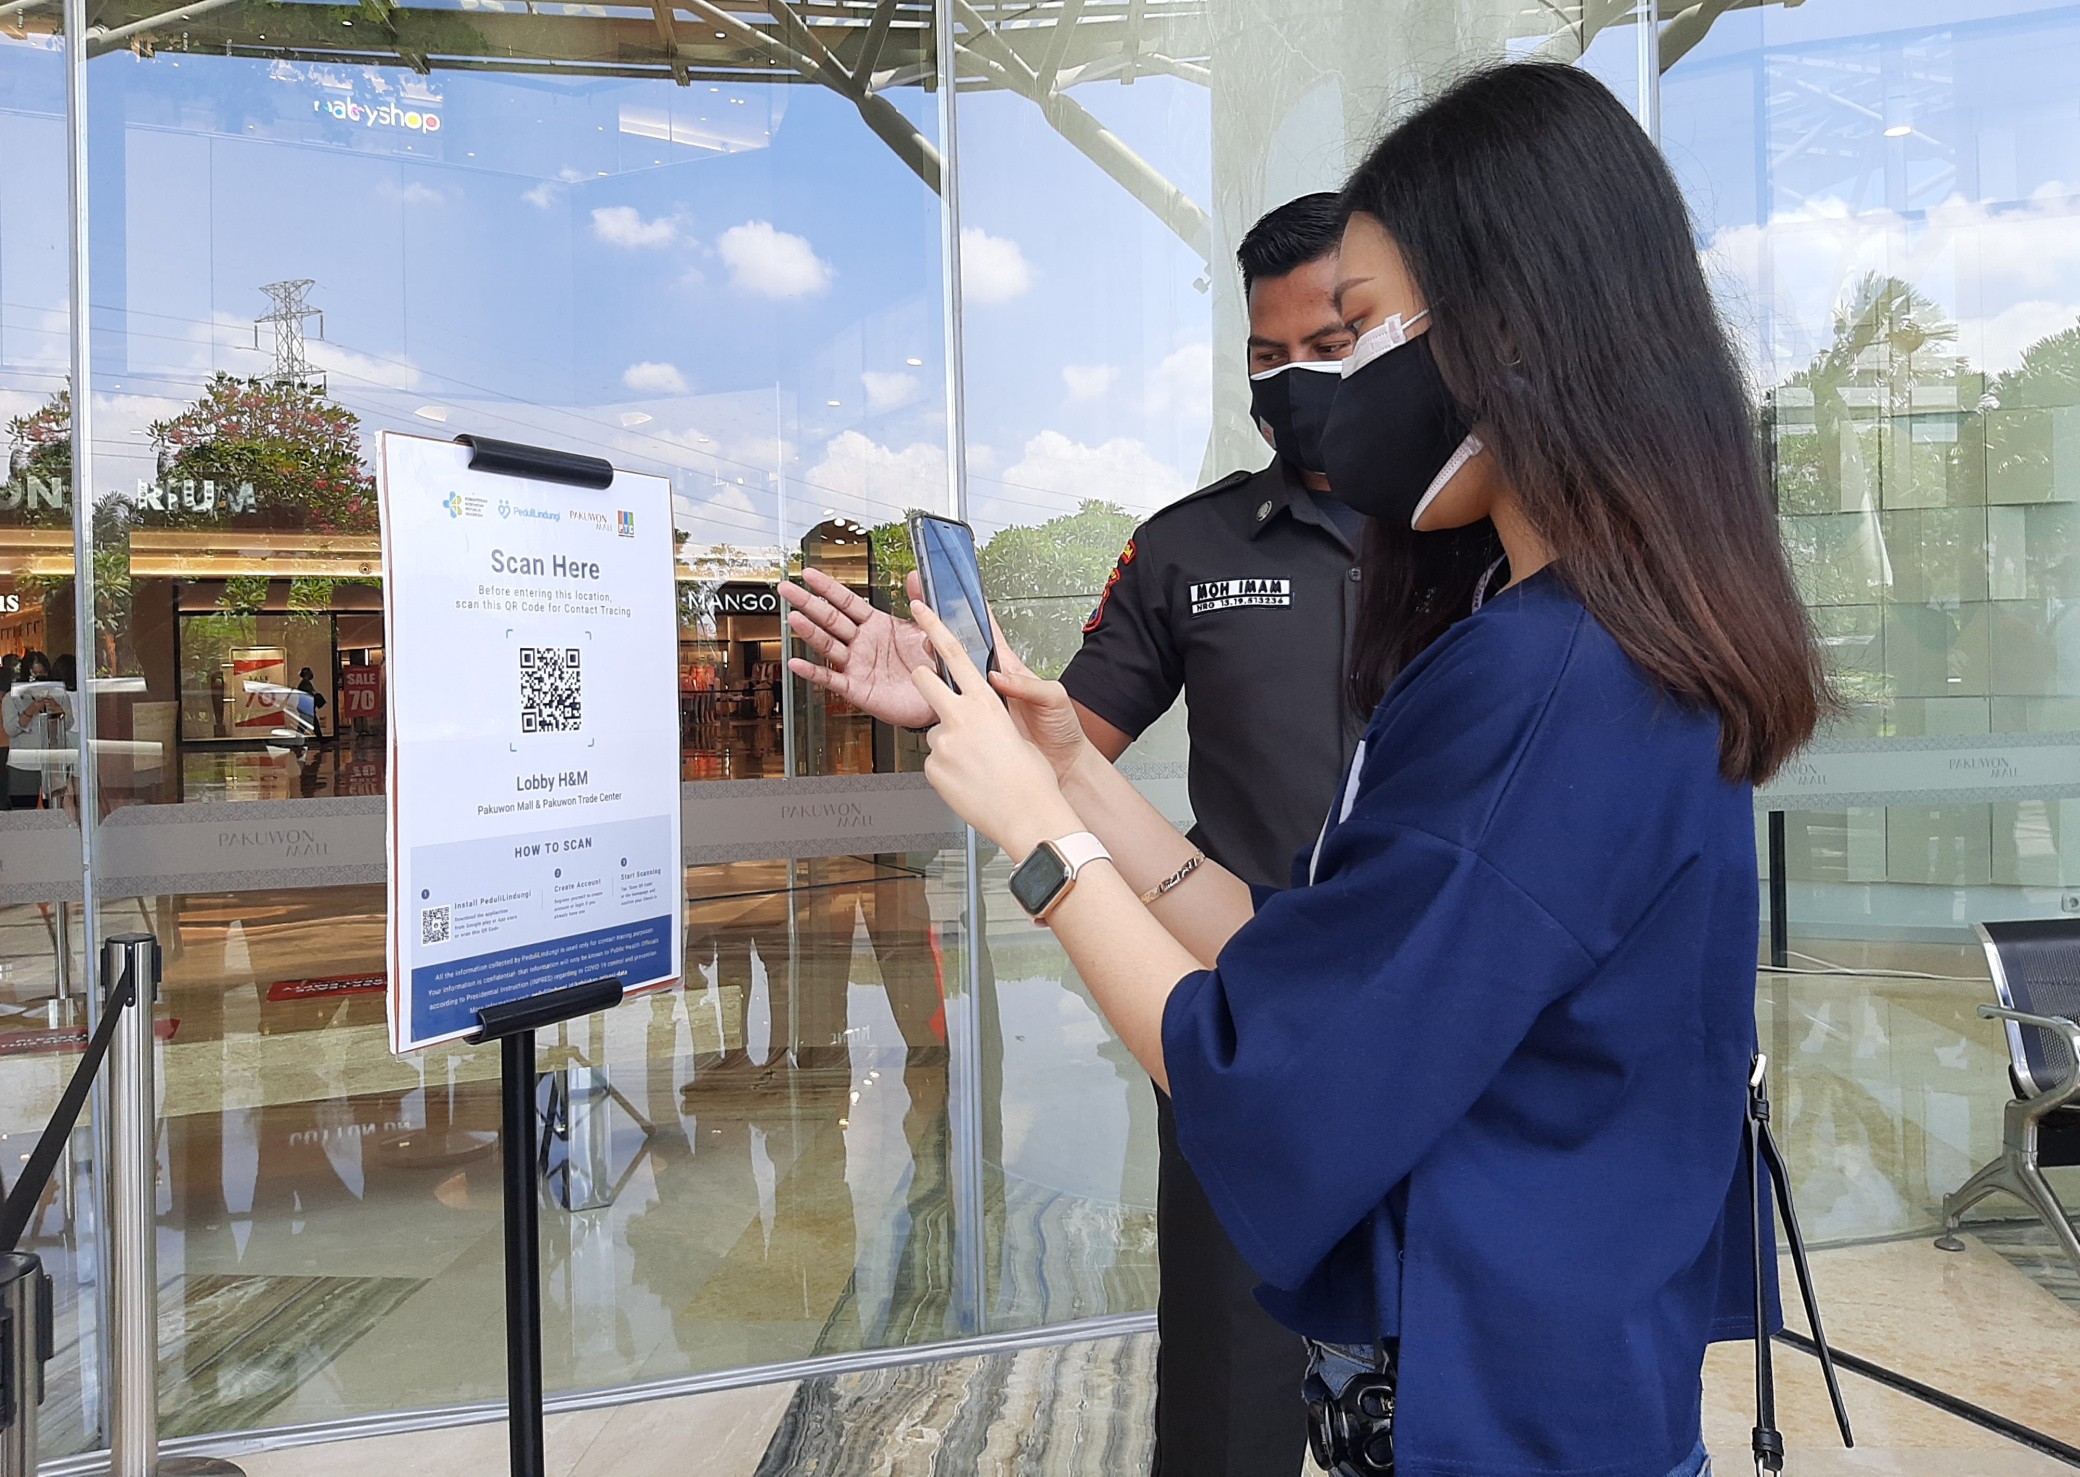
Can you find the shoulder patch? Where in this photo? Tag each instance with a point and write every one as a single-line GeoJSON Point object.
{"type": "Point", "coordinates": [1126, 557]}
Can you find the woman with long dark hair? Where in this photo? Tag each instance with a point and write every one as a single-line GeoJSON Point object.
{"type": "Point", "coordinates": [1470, 1094]}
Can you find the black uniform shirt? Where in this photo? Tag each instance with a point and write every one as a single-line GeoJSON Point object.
{"type": "Point", "coordinates": [1245, 595]}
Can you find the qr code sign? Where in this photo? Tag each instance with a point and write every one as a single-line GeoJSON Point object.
{"type": "Point", "coordinates": [433, 925]}
{"type": "Point", "coordinates": [552, 692]}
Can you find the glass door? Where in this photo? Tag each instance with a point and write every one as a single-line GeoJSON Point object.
{"type": "Point", "coordinates": [44, 948]}
{"type": "Point", "coordinates": [614, 232]}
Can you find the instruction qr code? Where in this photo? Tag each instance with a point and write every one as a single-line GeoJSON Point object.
{"type": "Point", "coordinates": [552, 693]}
{"type": "Point", "coordinates": [433, 925]}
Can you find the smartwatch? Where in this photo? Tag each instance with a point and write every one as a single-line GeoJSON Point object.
{"type": "Point", "coordinates": [1043, 879]}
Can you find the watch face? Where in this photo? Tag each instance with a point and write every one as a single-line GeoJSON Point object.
{"type": "Point", "coordinates": [1038, 878]}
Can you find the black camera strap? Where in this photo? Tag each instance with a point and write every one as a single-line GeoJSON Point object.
{"type": "Point", "coordinates": [1762, 1153]}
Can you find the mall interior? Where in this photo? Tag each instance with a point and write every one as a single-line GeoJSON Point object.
{"type": "Point", "coordinates": [874, 1191]}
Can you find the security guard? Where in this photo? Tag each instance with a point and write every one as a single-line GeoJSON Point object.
{"type": "Point", "coordinates": [1245, 597]}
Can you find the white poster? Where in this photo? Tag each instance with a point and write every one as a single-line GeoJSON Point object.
{"type": "Point", "coordinates": [532, 652]}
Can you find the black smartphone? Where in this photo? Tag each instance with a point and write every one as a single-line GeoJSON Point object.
{"type": "Point", "coordinates": [952, 580]}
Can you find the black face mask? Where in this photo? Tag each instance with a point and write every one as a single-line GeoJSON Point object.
{"type": "Point", "coordinates": [1394, 435]}
{"type": "Point", "coordinates": [1291, 403]}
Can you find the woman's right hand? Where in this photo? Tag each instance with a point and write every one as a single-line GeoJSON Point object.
{"type": "Point", "coordinates": [1042, 711]}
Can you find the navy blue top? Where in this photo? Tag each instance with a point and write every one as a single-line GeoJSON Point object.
{"type": "Point", "coordinates": [1480, 1085]}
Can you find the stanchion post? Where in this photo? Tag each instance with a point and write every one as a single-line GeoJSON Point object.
{"type": "Point", "coordinates": [25, 1347]}
{"type": "Point", "coordinates": [132, 1266]}
{"type": "Point", "coordinates": [61, 953]}
{"type": "Point", "coordinates": [133, 1192]}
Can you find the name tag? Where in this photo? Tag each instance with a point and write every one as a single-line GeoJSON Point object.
{"type": "Point", "coordinates": [1233, 594]}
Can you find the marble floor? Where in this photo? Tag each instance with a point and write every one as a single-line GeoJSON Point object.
{"type": "Point", "coordinates": [2028, 1247]}
{"type": "Point", "coordinates": [1965, 1322]}
{"type": "Point", "coordinates": [779, 1175]}
{"type": "Point", "coordinates": [1082, 1410]}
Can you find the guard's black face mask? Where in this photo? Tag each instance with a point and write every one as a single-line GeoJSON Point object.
{"type": "Point", "coordinates": [1291, 404]}
{"type": "Point", "coordinates": [1394, 437]}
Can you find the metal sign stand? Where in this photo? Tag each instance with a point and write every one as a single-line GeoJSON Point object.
{"type": "Point", "coordinates": [513, 1027]}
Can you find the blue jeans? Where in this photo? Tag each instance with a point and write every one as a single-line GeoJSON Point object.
{"type": "Point", "coordinates": [1330, 1367]}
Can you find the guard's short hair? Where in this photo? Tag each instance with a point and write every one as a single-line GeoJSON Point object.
{"type": "Point", "coordinates": [1288, 238]}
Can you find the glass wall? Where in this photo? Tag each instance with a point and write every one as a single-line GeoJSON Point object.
{"type": "Point", "coordinates": [1882, 196]}
{"type": "Point", "coordinates": [1104, 188]}
{"type": "Point", "coordinates": [694, 270]}
{"type": "Point", "coordinates": [1886, 195]}
{"type": "Point", "coordinates": [662, 242]}
{"type": "Point", "coordinates": [739, 246]}
{"type": "Point", "coordinates": [43, 933]}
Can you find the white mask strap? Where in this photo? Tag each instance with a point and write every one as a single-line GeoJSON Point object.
{"type": "Point", "coordinates": [1390, 335]}
{"type": "Point", "coordinates": [1319, 366]}
{"type": "Point", "coordinates": [1468, 450]}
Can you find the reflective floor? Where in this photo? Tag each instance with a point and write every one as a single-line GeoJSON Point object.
{"type": "Point", "coordinates": [329, 1238]}
{"type": "Point", "coordinates": [1081, 1410]}
{"type": "Point", "coordinates": [767, 1178]}
{"type": "Point", "coordinates": [1893, 1098]}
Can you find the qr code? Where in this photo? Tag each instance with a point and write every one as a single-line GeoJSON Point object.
{"type": "Point", "coordinates": [433, 925]}
{"type": "Point", "coordinates": [552, 694]}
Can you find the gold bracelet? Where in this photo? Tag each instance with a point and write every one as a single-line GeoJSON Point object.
{"type": "Point", "coordinates": [1176, 878]}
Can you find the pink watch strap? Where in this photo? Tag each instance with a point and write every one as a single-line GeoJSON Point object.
{"type": "Point", "coordinates": [1080, 849]}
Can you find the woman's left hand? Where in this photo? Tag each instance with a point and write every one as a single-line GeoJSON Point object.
{"type": "Point", "coordinates": [980, 763]}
